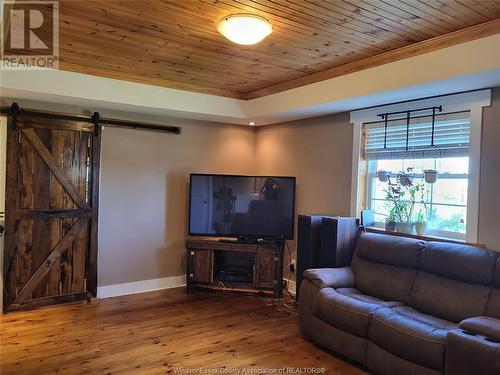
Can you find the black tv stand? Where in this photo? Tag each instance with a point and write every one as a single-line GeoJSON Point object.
{"type": "Point", "coordinates": [254, 240]}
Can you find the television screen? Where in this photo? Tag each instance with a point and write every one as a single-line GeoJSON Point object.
{"type": "Point", "coordinates": [232, 206]}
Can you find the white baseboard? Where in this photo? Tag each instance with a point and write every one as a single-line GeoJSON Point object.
{"type": "Point", "coordinates": [291, 286]}
{"type": "Point", "coordinates": [140, 286]}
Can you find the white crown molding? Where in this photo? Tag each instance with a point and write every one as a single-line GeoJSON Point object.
{"type": "Point", "coordinates": [142, 286]}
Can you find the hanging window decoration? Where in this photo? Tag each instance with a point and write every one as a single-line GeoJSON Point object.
{"type": "Point", "coordinates": [408, 137]}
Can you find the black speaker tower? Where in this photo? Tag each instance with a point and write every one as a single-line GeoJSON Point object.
{"type": "Point", "coordinates": [324, 242]}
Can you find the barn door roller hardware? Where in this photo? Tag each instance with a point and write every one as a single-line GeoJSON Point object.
{"type": "Point", "coordinates": [95, 120]}
{"type": "Point", "coordinates": [14, 111]}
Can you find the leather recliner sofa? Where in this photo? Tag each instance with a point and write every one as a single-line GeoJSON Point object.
{"type": "Point", "coordinates": [408, 307]}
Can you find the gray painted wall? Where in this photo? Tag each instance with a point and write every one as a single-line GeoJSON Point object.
{"type": "Point", "coordinates": [144, 194]}
{"type": "Point", "coordinates": [319, 153]}
{"type": "Point", "coordinates": [489, 195]}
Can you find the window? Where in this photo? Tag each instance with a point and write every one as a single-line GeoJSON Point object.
{"type": "Point", "coordinates": [450, 205]}
{"type": "Point", "coordinates": [443, 204]}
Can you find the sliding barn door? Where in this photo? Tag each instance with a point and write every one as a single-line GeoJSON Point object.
{"type": "Point", "coordinates": [51, 207]}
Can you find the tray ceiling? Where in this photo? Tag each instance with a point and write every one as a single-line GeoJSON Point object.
{"type": "Point", "coordinates": [175, 43]}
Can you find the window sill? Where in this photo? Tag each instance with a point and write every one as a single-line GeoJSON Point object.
{"type": "Point", "coordinates": [424, 238]}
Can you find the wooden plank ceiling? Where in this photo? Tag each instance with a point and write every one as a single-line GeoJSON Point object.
{"type": "Point", "coordinates": [175, 43]}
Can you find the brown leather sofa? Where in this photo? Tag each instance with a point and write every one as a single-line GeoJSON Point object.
{"type": "Point", "coordinates": [408, 307]}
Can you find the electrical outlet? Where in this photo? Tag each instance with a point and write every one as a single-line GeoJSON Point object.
{"type": "Point", "coordinates": [293, 265]}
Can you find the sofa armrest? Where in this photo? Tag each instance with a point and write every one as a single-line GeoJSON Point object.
{"type": "Point", "coordinates": [468, 354]}
{"type": "Point", "coordinates": [483, 325]}
{"type": "Point", "coordinates": [330, 277]}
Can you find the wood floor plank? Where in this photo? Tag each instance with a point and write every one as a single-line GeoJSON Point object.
{"type": "Point", "coordinates": [163, 332]}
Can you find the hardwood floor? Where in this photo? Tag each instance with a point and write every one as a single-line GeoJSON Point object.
{"type": "Point", "coordinates": [164, 332]}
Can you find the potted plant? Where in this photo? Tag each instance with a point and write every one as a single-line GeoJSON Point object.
{"type": "Point", "coordinates": [390, 221]}
{"type": "Point", "coordinates": [405, 179]}
{"type": "Point", "coordinates": [430, 176]}
{"type": "Point", "coordinates": [421, 219]}
{"type": "Point", "coordinates": [421, 223]}
{"type": "Point", "coordinates": [401, 196]}
{"type": "Point", "coordinates": [383, 176]}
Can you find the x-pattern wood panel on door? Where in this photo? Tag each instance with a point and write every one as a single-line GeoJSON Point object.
{"type": "Point", "coordinates": [51, 212]}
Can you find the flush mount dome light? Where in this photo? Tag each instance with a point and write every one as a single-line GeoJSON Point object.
{"type": "Point", "coordinates": [244, 28]}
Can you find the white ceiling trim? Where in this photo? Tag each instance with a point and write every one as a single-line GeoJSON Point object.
{"type": "Point", "coordinates": [468, 66]}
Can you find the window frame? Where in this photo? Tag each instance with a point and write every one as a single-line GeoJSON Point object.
{"type": "Point", "coordinates": [470, 101]}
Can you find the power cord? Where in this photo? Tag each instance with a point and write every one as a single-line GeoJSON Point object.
{"type": "Point", "coordinates": [287, 302]}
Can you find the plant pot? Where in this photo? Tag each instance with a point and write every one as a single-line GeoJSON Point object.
{"type": "Point", "coordinates": [430, 176]}
{"type": "Point", "coordinates": [383, 176]}
{"type": "Point", "coordinates": [421, 227]}
{"type": "Point", "coordinates": [390, 225]}
{"type": "Point", "coordinates": [406, 227]}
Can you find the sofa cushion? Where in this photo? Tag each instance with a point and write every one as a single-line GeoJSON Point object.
{"type": "Point", "coordinates": [459, 262]}
{"type": "Point", "coordinates": [411, 335]}
{"type": "Point", "coordinates": [380, 361]}
{"type": "Point", "coordinates": [360, 296]}
{"type": "Point", "coordinates": [330, 277]}
{"type": "Point", "coordinates": [338, 340]}
{"type": "Point", "coordinates": [383, 281]}
{"type": "Point", "coordinates": [391, 250]}
{"type": "Point", "coordinates": [348, 311]}
{"type": "Point", "coordinates": [448, 299]}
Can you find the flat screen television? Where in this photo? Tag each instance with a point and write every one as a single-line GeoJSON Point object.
{"type": "Point", "coordinates": [241, 206]}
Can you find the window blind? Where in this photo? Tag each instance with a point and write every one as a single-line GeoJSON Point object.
{"type": "Point", "coordinates": [451, 137]}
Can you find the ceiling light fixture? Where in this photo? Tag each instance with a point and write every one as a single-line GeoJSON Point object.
{"type": "Point", "coordinates": [244, 28]}
{"type": "Point", "coordinates": [251, 123]}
